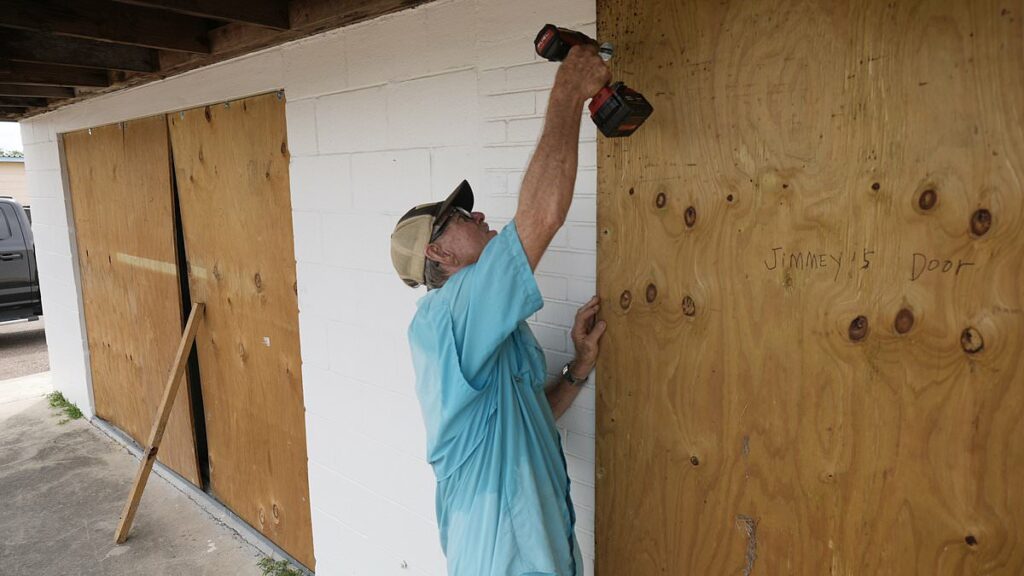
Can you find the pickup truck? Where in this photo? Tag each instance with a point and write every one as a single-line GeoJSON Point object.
{"type": "Point", "coordinates": [19, 282]}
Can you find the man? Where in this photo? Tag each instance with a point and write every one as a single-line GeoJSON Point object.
{"type": "Point", "coordinates": [503, 504]}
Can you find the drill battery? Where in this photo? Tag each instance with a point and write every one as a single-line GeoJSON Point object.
{"type": "Point", "coordinates": [618, 110]}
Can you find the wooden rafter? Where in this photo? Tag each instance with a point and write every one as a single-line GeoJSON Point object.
{"type": "Point", "coordinates": [108, 21]}
{"type": "Point", "coordinates": [22, 102]}
{"type": "Point", "coordinates": [49, 46]}
{"type": "Point", "coordinates": [269, 13]}
{"type": "Point", "coordinates": [37, 91]}
{"type": "Point", "coordinates": [50, 75]}
{"type": "Point", "coordinates": [315, 15]}
{"type": "Point", "coordinates": [24, 46]}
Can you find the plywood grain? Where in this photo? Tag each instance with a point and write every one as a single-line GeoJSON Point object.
{"type": "Point", "coordinates": [120, 181]}
{"type": "Point", "coordinates": [810, 263]}
{"type": "Point", "coordinates": [231, 162]}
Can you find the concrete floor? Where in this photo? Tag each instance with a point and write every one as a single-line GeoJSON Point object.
{"type": "Point", "coordinates": [63, 487]}
{"type": "Point", "coordinates": [23, 349]}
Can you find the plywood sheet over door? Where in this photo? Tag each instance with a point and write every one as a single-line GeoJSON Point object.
{"type": "Point", "coordinates": [123, 201]}
{"type": "Point", "coordinates": [231, 162]}
{"type": "Point", "coordinates": [810, 261]}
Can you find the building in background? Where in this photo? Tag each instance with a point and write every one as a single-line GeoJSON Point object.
{"type": "Point", "coordinates": [12, 179]}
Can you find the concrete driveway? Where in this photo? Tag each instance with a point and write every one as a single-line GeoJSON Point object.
{"type": "Point", "coordinates": [23, 349]}
{"type": "Point", "coordinates": [63, 487]}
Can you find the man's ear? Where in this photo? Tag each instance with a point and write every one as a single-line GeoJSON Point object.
{"type": "Point", "coordinates": [437, 253]}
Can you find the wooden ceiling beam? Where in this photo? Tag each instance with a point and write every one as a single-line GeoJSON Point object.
{"type": "Point", "coordinates": [36, 91]}
{"type": "Point", "coordinates": [22, 46]}
{"type": "Point", "coordinates": [317, 15]}
{"type": "Point", "coordinates": [22, 101]}
{"type": "Point", "coordinates": [110, 22]}
{"type": "Point", "coordinates": [268, 13]}
{"type": "Point", "coordinates": [307, 17]}
{"type": "Point", "coordinates": [50, 75]}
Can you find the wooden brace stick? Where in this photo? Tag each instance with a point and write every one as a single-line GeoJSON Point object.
{"type": "Point", "coordinates": [163, 414]}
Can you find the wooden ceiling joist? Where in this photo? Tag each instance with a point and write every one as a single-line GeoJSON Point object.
{"type": "Point", "coordinates": [269, 13]}
{"type": "Point", "coordinates": [109, 22]}
{"type": "Point", "coordinates": [317, 15]}
{"type": "Point", "coordinates": [50, 75]}
{"type": "Point", "coordinates": [69, 50]}
{"type": "Point", "coordinates": [22, 102]}
{"type": "Point", "coordinates": [22, 46]}
{"type": "Point", "coordinates": [36, 91]}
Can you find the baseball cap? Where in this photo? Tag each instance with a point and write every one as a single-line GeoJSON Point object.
{"type": "Point", "coordinates": [412, 234]}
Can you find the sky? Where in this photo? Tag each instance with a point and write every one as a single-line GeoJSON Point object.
{"type": "Point", "coordinates": [10, 136]}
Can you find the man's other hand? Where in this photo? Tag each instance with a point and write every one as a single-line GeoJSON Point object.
{"type": "Point", "coordinates": [586, 337]}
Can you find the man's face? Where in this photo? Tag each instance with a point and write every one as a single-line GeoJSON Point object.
{"type": "Point", "coordinates": [465, 235]}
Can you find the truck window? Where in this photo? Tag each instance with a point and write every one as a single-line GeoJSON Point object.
{"type": "Point", "coordinates": [5, 228]}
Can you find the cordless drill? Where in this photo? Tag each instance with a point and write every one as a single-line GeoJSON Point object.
{"type": "Point", "coordinates": [617, 110]}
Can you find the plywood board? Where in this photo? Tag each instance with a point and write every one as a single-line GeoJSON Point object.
{"type": "Point", "coordinates": [231, 162]}
{"type": "Point", "coordinates": [810, 263]}
{"type": "Point", "coordinates": [120, 181]}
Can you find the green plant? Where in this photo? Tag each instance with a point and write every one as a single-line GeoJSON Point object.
{"type": "Point", "coordinates": [277, 568]}
{"type": "Point", "coordinates": [58, 401]}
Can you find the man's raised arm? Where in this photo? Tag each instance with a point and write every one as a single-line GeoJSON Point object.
{"type": "Point", "coordinates": [548, 184]}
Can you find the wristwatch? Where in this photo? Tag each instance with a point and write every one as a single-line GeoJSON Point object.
{"type": "Point", "coordinates": [567, 374]}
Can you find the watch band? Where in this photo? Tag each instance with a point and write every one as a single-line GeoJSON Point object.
{"type": "Point", "coordinates": [567, 375]}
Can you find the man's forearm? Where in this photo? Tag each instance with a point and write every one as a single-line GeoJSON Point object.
{"type": "Point", "coordinates": [546, 193]}
{"type": "Point", "coordinates": [560, 394]}
{"type": "Point", "coordinates": [548, 184]}
{"type": "Point", "coordinates": [551, 176]}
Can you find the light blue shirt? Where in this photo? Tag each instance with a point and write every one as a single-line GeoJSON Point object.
{"type": "Point", "coordinates": [503, 504]}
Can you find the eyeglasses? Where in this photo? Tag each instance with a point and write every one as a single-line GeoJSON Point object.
{"type": "Point", "coordinates": [443, 223]}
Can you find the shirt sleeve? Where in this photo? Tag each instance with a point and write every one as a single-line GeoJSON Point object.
{"type": "Point", "coordinates": [488, 301]}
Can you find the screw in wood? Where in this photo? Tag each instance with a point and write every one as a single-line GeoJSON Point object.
{"type": "Point", "coordinates": [981, 221]}
{"type": "Point", "coordinates": [971, 340]}
{"type": "Point", "coordinates": [858, 328]}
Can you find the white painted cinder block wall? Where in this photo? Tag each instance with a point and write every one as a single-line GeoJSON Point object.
{"type": "Point", "coordinates": [381, 116]}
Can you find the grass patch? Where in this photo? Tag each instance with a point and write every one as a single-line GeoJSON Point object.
{"type": "Point", "coordinates": [277, 568]}
{"type": "Point", "coordinates": [58, 401]}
